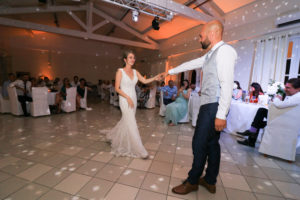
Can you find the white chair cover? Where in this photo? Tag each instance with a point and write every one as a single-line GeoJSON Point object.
{"type": "Point", "coordinates": [186, 118]}
{"type": "Point", "coordinates": [39, 105]}
{"type": "Point", "coordinates": [162, 109]}
{"type": "Point", "coordinates": [194, 107]}
{"type": "Point", "coordinates": [112, 95]}
{"type": "Point", "coordinates": [263, 99]}
{"type": "Point", "coordinates": [15, 106]}
{"type": "Point", "coordinates": [69, 105]}
{"type": "Point", "coordinates": [4, 104]}
{"type": "Point", "coordinates": [83, 101]}
{"type": "Point", "coordinates": [281, 133]}
{"type": "Point", "coordinates": [151, 101]}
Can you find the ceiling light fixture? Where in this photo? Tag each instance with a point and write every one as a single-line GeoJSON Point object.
{"type": "Point", "coordinates": [145, 7]}
{"type": "Point", "coordinates": [155, 23]}
{"type": "Point", "coordinates": [135, 16]}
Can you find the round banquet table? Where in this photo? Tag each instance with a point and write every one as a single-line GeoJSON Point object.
{"type": "Point", "coordinates": [240, 116]}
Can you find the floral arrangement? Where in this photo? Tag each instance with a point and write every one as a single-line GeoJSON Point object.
{"type": "Point", "coordinates": [275, 88]}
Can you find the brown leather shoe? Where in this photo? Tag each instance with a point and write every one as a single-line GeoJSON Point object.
{"type": "Point", "coordinates": [184, 188]}
{"type": "Point", "coordinates": [209, 187]}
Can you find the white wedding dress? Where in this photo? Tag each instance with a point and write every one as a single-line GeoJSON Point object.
{"type": "Point", "coordinates": [125, 137]}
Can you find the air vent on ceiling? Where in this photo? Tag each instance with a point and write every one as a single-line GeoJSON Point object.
{"type": "Point", "coordinates": [288, 19]}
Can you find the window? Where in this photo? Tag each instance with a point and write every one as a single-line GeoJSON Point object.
{"type": "Point", "coordinates": [292, 69]}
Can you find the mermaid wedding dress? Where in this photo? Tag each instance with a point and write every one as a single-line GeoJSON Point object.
{"type": "Point", "coordinates": [125, 137]}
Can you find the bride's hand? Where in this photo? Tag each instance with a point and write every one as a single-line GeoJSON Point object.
{"type": "Point", "coordinates": [130, 102]}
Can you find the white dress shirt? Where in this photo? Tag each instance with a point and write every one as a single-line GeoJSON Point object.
{"type": "Point", "coordinates": [226, 59]}
{"type": "Point", "coordinates": [289, 101]}
{"type": "Point", "coordinates": [73, 84]}
{"type": "Point", "coordinates": [20, 83]}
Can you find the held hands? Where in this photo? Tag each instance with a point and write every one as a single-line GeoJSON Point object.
{"type": "Point", "coordinates": [161, 76]}
{"type": "Point", "coordinates": [130, 102]}
{"type": "Point", "coordinates": [220, 124]}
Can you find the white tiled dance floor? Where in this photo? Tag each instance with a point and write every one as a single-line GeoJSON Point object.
{"type": "Point", "coordinates": [65, 157]}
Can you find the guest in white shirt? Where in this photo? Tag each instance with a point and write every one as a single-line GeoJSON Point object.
{"type": "Point", "coordinates": [23, 87]}
{"type": "Point", "coordinates": [292, 91]}
{"type": "Point", "coordinates": [75, 81]}
{"type": "Point", "coordinates": [216, 93]}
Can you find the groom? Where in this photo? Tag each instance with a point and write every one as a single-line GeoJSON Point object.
{"type": "Point", "coordinates": [218, 70]}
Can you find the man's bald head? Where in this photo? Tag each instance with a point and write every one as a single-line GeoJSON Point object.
{"type": "Point", "coordinates": [211, 34]}
{"type": "Point", "coordinates": [215, 26]}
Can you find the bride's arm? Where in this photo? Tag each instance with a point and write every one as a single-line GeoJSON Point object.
{"type": "Point", "coordinates": [119, 91]}
{"type": "Point", "coordinates": [146, 81]}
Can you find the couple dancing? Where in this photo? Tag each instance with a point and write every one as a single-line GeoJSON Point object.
{"type": "Point", "coordinates": [216, 92]}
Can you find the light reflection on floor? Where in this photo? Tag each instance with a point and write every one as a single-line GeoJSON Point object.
{"type": "Point", "coordinates": [66, 156]}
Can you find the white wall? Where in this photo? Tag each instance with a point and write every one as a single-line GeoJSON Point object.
{"type": "Point", "coordinates": [242, 27]}
{"type": "Point", "coordinates": [93, 60]}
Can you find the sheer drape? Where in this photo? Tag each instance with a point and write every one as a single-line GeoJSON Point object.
{"type": "Point", "coordinates": [270, 60]}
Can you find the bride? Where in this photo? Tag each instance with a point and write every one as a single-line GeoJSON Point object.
{"type": "Point", "coordinates": [125, 138]}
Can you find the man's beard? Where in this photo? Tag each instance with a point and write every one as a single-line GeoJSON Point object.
{"type": "Point", "coordinates": [205, 44]}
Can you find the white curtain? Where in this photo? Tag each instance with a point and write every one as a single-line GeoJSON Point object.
{"type": "Point", "coordinates": [295, 59]}
{"type": "Point", "coordinates": [270, 60]}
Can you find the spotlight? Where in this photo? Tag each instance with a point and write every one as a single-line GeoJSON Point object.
{"type": "Point", "coordinates": [135, 16]}
{"type": "Point", "coordinates": [155, 23]}
{"type": "Point", "coordinates": [170, 16]}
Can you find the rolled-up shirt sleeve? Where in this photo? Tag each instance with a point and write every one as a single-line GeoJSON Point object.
{"type": "Point", "coordinates": [226, 59]}
{"type": "Point", "coordinates": [290, 101]}
{"type": "Point", "coordinates": [190, 65]}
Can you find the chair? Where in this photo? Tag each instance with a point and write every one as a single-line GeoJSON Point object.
{"type": "Point", "coordinates": [151, 101]}
{"type": "Point", "coordinates": [39, 105]}
{"type": "Point", "coordinates": [116, 99]}
{"type": "Point", "coordinates": [15, 106]}
{"type": "Point", "coordinates": [4, 104]}
{"type": "Point", "coordinates": [186, 118]}
{"type": "Point", "coordinates": [194, 107]}
{"type": "Point", "coordinates": [69, 105]}
{"type": "Point", "coordinates": [162, 109]}
{"type": "Point", "coordinates": [83, 101]}
{"type": "Point", "coordinates": [281, 133]}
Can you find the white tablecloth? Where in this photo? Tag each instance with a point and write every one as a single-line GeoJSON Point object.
{"type": "Point", "coordinates": [240, 116]}
{"type": "Point", "coordinates": [194, 106]}
{"type": "Point", "coordinates": [51, 98]}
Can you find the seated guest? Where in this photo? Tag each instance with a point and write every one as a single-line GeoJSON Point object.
{"type": "Point", "coordinates": [57, 84]}
{"type": "Point", "coordinates": [34, 82]}
{"type": "Point", "coordinates": [23, 87]}
{"type": "Point", "coordinates": [47, 82]}
{"type": "Point", "coordinates": [194, 90]}
{"type": "Point", "coordinates": [11, 78]}
{"type": "Point", "coordinates": [112, 92]}
{"type": "Point", "coordinates": [292, 91]}
{"type": "Point", "coordinates": [237, 91]}
{"type": "Point", "coordinates": [40, 82]}
{"type": "Point", "coordinates": [81, 92]}
{"type": "Point", "coordinates": [75, 81]}
{"type": "Point", "coordinates": [144, 96]}
{"type": "Point", "coordinates": [138, 89]}
{"type": "Point", "coordinates": [255, 91]}
{"type": "Point", "coordinates": [62, 94]}
{"type": "Point", "coordinates": [170, 92]}
{"type": "Point", "coordinates": [177, 110]}
{"type": "Point", "coordinates": [159, 86]}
